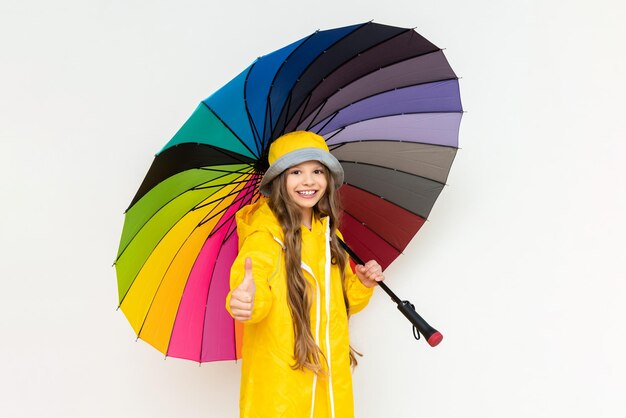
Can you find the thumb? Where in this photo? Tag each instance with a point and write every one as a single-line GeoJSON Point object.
{"type": "Point", "coordinates": [248, 279]}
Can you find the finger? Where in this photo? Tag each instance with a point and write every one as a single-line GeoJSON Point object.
{"type": "Point", "coordinates": [248, 278]}
{"type": "Point", "coordinates": [241, 295]}
{"type": "Point", "coordinates": [247, 268]}
{"type": "Point", "coordinates": [371, 263]}
{"type": "Point", "coordinates": [378, 276]}
{"type": "Point", "coordinates": [367, 267]}
{"type": "Point", "coordinates": [241, 313]}
{"type": "Point", "coordinates": [372, 267]}
{"type": "Point", "coordinates": [239, 305]}
{"type": "Point", "coordinates": [241, 318]}
{"type": "Point", "coordinates": [241, 310]}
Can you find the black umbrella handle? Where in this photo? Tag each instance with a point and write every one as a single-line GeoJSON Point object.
{"type": "Point", "coordinates": [433, 337]}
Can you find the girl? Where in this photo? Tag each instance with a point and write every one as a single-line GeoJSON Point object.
{"type": "Point", "coordinates": [293, 288]}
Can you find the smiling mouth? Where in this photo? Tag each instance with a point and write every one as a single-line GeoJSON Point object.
{"type": "Point", "coordinates": [307, 193]}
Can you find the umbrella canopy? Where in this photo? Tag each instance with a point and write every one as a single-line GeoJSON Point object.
{"type": "Point", "coordinates": [388, 104]}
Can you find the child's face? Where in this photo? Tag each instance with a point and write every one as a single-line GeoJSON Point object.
{"type": "Point", "coordinates": [306, 183]}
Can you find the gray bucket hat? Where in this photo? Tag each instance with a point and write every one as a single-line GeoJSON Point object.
{"type": "Point", "coordinates": [295, 148]}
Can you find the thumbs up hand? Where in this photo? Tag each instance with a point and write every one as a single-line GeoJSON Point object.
{"type": "Point", "coordinates": [242, 298]}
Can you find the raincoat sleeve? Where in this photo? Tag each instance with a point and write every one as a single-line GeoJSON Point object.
{"type": "Point", "coordinates": [265, 254]}
{"type": "Point", "coordinates": [358, 294]}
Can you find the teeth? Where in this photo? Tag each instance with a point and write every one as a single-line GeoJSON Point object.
{"type": "Point", "coordinates": [308, 192]}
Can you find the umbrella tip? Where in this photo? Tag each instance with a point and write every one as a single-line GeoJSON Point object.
{"type": "Point", "coordinates": [435, 339]}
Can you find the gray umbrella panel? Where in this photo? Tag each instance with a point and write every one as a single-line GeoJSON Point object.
{"type": "Point", "coordinates": [415, 194]}
{"type": "Point", "coordinates": [424, 160]}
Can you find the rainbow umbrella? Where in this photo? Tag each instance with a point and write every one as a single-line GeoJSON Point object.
{"type": "Point", "coordinates": [388, 104]}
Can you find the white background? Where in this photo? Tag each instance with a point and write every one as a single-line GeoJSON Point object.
{"type": "Point", "coordinates": [521, 265]}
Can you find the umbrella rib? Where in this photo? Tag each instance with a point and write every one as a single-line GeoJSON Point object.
{"type": "Point", "coordinates": [338, 144]}
{"type": "Point", "coordinates": [241, 171]}
{"type": "Point", "coordinates": [303, 116]}
{"type": "Point", "coordinates": [202, 157]}
{"type": "Point", "coordinates": [211, 215]}
{"type": "Point", "coordinates": [221, 185]}
{"type": "Point", "coordinates": [285, 110]}
{"type": "Point", "coordinates": [143, 322]}
{"type": "Point", "coordinates": [316, 114]}
{"type": "Point", "coordinates": [374, 232]}
{"type": "Point", "coordinates": [207, 300]}
{"type": "Point", "coordinates": [231, 131]}
{"type": "Point", "coordinates": [162, 206]}
{"type": "Point", "coordinates": [268, 114]}
{"type": "Point", "coordinates": [231, 154]}
{"type": "Point", "coordinates": [385, 199]}
{"type": "Point", "coordinates": [206, 304]}
{"type": "Point", "coordinates": [167, 270]}
{"type": "Point", "coordinates": [304, 70]}
{"type": "Point", "coordinates": [330, 119]}
{"type": "Point", "coordinates": [255, 131]}
{"type": "Point", "coordinates": [253, 199]}
{"type": "Point", "coordinates": [305, 104]}
{"type": "Point", "coordinates": [336, 112]}
{"type": "Point", "coordinates": [341, 144]}
{"type": "Point", "coordinates": [232, 193]}
{"type": "Point", "coordinates": [358, 54]}
{"type": "Point", "coordinates": [334, 134]}
{"type": "Point", "coordinates": [243, 199]}
{"type": "Point", "coordinates": [392, 169]}
{"type": "Point", "coordinates": [269, 93]}
{"type": "Point", "coordinates": [387, 66]}
{"type": "Point", "coordinates": [144, 262]}
{"type": "Point", "coordinates": [178, 308]}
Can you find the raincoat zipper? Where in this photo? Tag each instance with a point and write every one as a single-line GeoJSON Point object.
{"type": "Point", "coordinates": [308, 269]}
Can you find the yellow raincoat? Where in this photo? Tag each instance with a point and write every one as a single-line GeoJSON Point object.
{"type": "Point", "coordinates": [270, 388]}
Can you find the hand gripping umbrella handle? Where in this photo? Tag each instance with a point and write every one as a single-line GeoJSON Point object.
{"type": "Point", "coordinates": [433, 337]}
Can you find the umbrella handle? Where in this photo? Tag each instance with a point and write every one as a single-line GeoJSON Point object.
{"type": "Point", "coordinates": [433, 337]}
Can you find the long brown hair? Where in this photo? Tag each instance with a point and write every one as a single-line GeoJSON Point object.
{"type": "Point", "coordinates": [306, 352]}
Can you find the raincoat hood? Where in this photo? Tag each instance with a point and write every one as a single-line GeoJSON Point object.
{"type": "Point", "coordinates": [257, 217]}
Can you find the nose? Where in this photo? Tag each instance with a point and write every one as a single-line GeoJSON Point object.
{"type": "Point", "coordinates": [308, 179]}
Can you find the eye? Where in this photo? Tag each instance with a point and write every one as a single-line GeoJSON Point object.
{"type": "Point", "coordinates": [319, 171]}
{"type": "Point", "coordinates": [295, 171]}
